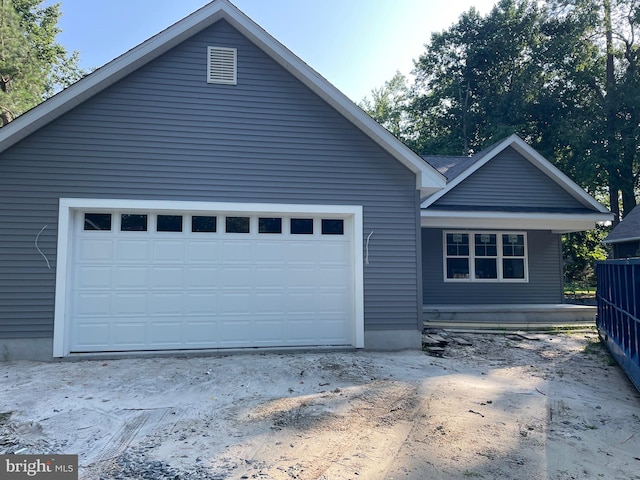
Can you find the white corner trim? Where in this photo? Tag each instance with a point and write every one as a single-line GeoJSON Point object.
{"type": "Point", "coordinates": [358, 239]}
{"type": "Point", "coordinates": [60, 333]}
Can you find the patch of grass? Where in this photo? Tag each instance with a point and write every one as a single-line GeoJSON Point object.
{"type": "Point", "coordinates": [470, 474]}
{"type": "Point", "coordinates": [593, 347]}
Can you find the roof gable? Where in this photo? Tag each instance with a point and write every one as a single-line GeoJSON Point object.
{"type": "Point", "coordinates": [483, 174]}
{"type": "Point", "coordinates": [628, 230]}
{"type": "Point", "coordinates": [428, 180]}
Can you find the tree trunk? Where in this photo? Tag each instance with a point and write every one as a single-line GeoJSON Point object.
{"type": "Point", "coordinates": [611, 159]}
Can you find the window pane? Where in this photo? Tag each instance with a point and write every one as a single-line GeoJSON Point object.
{"type": "Point", "coordinates": [133, 223]}
{"type": "Point", "coordinates": [269, 225]}
{"type": "Point", "coordinates": [457, 268]}
{"type": "Point", "coordinates": [513, 268]}
{"type": "Point", "coordinates": [513, 245]}
{"type": "Point", "coordinates": [97, 221]}
{"type": "Point", "coordinates": [237, 224]}
{"type": "Point", "coordinates": [302, 226]}
{"type": "Point", "coordinates": [169, 223]}
{"type": "Point", "coordinates": [457, 244]}
{"type": "Point", "coordinates": [486, 244]}
{"type": "Point", "coordinates": [332, 227]}
{"type": "Point", "coordinates": [200, 223]}
{"type": "Point", "coordinates": [486, 268]}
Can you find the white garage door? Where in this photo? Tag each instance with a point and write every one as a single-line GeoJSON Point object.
{"type": "Point", "coordinates": [143, 279]}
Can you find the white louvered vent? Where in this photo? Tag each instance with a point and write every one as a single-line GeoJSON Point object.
{"type": "Point", "coordinates": [222, 65]}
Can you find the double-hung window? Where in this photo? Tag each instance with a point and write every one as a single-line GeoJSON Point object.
{"type": "Point", "coordinates": [485, 256]}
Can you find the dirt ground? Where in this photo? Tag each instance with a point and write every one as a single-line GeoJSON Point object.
{"type": "Point", "coordinates": [543, 406]}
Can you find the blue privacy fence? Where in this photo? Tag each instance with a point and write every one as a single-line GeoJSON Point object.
{"type": "Point", "coordinates": [619, 312]}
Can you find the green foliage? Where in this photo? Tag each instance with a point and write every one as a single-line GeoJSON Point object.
{"type": "Point", "coordinates": [388, 105]}
{"type": "Point", "coordinates": [32, 65]}
{"type": "Point", "coordinates": [581, 251]}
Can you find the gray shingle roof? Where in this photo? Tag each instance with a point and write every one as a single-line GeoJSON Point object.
{"type": "Point", "coordinates": [453, 166]}
{"type": "Point", "coordinates": [627, 229]}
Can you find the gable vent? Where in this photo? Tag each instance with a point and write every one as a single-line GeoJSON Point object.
{"type": "Point", "coordinates": [222, 65]}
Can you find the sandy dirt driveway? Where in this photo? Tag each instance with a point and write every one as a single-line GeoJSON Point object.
{"type": "Point", "coordinates": [544, 406]}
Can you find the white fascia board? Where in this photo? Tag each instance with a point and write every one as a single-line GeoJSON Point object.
{"type": "Point", "coordinates": [428, 179]}
{"type": "Point", "coordinates": [556, 222]}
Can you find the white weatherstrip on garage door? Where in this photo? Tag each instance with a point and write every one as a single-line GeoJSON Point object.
{"type": "Point", "coordinates": [184, 287]}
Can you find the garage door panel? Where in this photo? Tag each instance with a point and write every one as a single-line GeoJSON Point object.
{"type": "Point", "coordinates": [169, 251]}
{"type": "Point", "coordinates": [202, 277]}
{"type": "Point", "coordinates": [265, 277]}
{"type": "Point", "coordinates": [237, 251]}
{"type": "Point", "coordinates": [274, 252]}
{"type": "Point", "coordinates": [131, 277]}
{"type": "Point", "coordinates": [94, 276]}
{"type": "Point", "coordinates": [271, 302]}
{"type": "Point", "coordinates": [132, 250]}
{"type": "Point", "coordinates": [93, 304]}
{"type": "Point", "coordinates": [238, 276]}
{"type": "Point", "coordinates": [303, 302]}
{"type": "Point", "coordinates": [164, 304]}
{"type": "Point", "coordinates": [164, 277]}
{"type": "Point", "coordinates": [130, 304]}
{"type": "Point", "coordinates": [96, 249]}
{"type": "Point", "coordinates": [234, 331]}
{"type": "Point", "coordinates": [88, 334]}
{"type": "Point", "coordinates": [202, 252]}
{"type": "Point", "coordinates": [129, 332]}
{"type": "Point", "coordinates": [267, 329]}
{"type": "Point", "coordinates": [204, 303]}
{"type": "Point", "coordinates": [165, 334]}
{"type": "Point", "coordinates": [149, 290]}
{"type": "Point", "coordinates": [235, 303]}
{"type": "Point", "coordinates": [202, 333]}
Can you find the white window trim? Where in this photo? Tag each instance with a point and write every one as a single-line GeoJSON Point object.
{"type": "Point", "coordinates": [68, 206]}
{"type": "Point", "coordinates": [472, 257]}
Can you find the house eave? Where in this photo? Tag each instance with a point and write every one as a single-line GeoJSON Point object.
{"type": "Point", "coordinates": [622, 240]}
{"type": "Point", "coordinates": [537, 160]}
{"type": "Point", "coordinates": [556, 222]}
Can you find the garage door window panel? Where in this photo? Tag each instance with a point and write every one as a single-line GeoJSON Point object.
{"type": "Point", "coordinates": [169, 223]}
{"type": "Point", "coordinates": [332, 227]}
{"type": "Point", "coordinates": [302, 226]}
{"type": "Point", "coordinates": [133, 222]}
{"type": "Point", "coordinates": [203, 223]}
{"type": "Point", "coordinates": [97, 221]}
{"type": "Point", "coordinates": [269, 225]}
{"type": "Point", "coordinates": [237, 224]}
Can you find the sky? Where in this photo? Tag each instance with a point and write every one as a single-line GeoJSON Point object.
{"type": "Point", "coordinates": [355, 44]}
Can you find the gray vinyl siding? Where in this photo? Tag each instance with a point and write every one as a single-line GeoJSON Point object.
{"type": "Point", "coordinates": [509, 180]}
{"type": "Point", "coordinates": [164, 133]}
{"type": "Point", "coordinates": [545, 276]}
